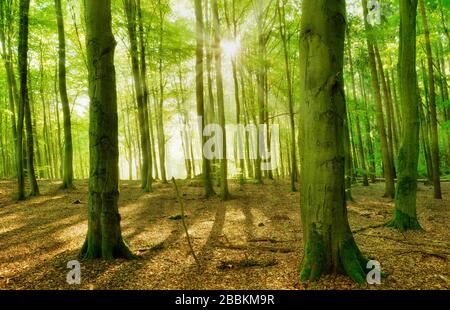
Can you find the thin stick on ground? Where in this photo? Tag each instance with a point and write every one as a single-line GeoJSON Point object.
{"type": "Point", "coordinates": [184, 223]}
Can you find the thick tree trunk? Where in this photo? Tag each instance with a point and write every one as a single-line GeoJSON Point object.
{"type": "Point", "coordinates": [68, 149]}
{"type": "Point", "coordinates": [199, 87]}
{"type": "Point", "coordinates": [104, 237]}
{"type": "Point", "coordinates": [328, 241]}
{"type": "Point", "coordinates": [432, 102]}
{"type": "Point", "coordinates": [405, 216]}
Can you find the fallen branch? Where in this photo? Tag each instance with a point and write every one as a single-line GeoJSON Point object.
{"type": "Point", "coordinates": [184, 223]}
{"type": "Point", "coordinates": [368, 227]}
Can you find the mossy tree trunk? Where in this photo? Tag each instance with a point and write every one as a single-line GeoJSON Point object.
{"type": "Point", "coordinates": [329, 246]}
{"type": "Point", "coordinates": [104, 237]}
{"type": "Point", "coordinates": [405, 198]}
{"type": "Point", "coordinates": [68, 149]}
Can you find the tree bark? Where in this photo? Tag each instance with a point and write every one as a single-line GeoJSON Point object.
{"type": "Point", "coordinates": [405, 215]}
{"type": "Point", "coordinates": [104, 237]}
{"type": "Point", "coordinates": [329, 246]}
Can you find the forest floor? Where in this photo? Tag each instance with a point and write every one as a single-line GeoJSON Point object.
{"type": "Point", "coordinates": [253, 241]}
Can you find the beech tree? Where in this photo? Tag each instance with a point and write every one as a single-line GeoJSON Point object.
{"type": "Point", "coordinates": [405, 216]}
{"type": "Point", "coordinates": [329, 246]}
{"type": "Point", "coordinates": [104, 236]}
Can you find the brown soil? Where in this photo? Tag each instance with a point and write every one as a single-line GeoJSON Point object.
{"type": "Point", "coordinates": [253, 241]}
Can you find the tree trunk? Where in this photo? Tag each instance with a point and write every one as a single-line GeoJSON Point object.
{"type": "Point", "coordinates": [199, 87]}
{"type": "Point", "coordinates": [104, 237]}
{"type": "Point", "coordinates": [387, 164]}
{"type": "Point", "coordinates": [68, 149]}
{"type": "Point", "coordinates": [160, 121]}
{"type": "Point", "coordinates": [432, 102]}
{"type": "Point", "coordinates": [283, 28]}
{"type": "Point", "coordinates": [22, 55]}
{"type": "Point", "coordinates": [372, 167]}
{"type": "Point", "coordinates": [224, 194]}
{"type": "Point", "coordinates": [329, 246]}
{"type": "Point", "coordinates": [405, 216]}
{"type": "Point", "coordinates": [130, 10]}
{"type": "Point", "coordinates": [358, 125]}
{"type": "Point", "coordinates": [145, 100]}
{"type": "Point", "coordinates": [387, 107]}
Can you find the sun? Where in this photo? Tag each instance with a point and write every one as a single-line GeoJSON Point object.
{"type": "Point", "coordinates": [230, 47]}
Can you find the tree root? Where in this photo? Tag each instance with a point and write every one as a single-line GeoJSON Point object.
{"type": "Point", "coordinates": [350, 261]}
{"type": "Point", "coordinates": [403, 222]}
{"type": "Point", "coordinates": [119, 251]}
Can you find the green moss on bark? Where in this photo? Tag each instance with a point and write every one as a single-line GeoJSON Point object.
{"type": "Point", "coordinates": [403, 222]}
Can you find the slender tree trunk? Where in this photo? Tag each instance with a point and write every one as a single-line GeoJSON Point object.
{"type": "Point", "coordinates": [224, 194]}
{"type": "Point", "coordinates": [145, 99]}
{"type": "Point", "coordinates": [22, 51]}
{"type": "Point", "coordinates": [357, 109]}
{"type": "Point", "coordinates": [11, 79]}
{"type": "Point", "coordinates": [160, 122]}
{"type": "Point", "coordinates": [68, 148]}
{"type": "Point", "coordinates": [405, 216]}
{"type": "Point", "coordinates": [283, 28]}
{"type": "Point", "coordinates": [104, 236]}
{"type": "Point", "coordinates": [387, 107]}
{"type": "Point", "coordinates": [432, 102]}
{"type": "Point", "coordinates": [130, 11]}
{"type": "Point", "coordinates": [260, 149]}
{"type": "Point", "coordinates": [199, 87]}
{"type": "Point", "coordinates": [348, 161]}
{"type": "Point", "coordinates": [387, 163]}
{"type": "Point", "coordinates": [426, 143]}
